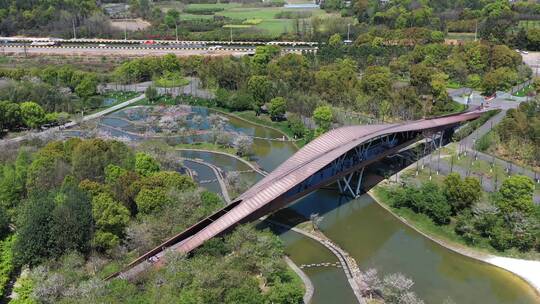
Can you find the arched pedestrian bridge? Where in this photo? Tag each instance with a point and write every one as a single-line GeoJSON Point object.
{"type": "Point", "coordinates": [338, 156]}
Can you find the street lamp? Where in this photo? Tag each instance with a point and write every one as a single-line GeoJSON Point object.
{"type": "Point", "coordinates": [348, 41]}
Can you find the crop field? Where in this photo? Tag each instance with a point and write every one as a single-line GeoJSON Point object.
{"type": "Point", "coordinates": [243, 17]}
{"type": "Point", "coordinates": [461, 36]}
{"type": "Point", "coordinates": [529, 23]}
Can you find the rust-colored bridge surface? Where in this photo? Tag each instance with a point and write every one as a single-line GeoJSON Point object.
{"type": "Point", "coordinates": [329, 158]}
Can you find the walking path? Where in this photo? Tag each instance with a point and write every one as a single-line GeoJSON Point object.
{"type": "Point", "coordinates": [308, 294]}
{"type": "Point", "coordinates": [348, 264]}
{"type": "Point", "coordinates": [252, 166]}
{"type": "Point", "coordinates": [70, 124]}
{"type": "Point", "coordinates": [218, 174]}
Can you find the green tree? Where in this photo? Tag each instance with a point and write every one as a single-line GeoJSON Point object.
{"type": "Point", "coordinates": [335, 41]}
{"type": "Point", "coordinates": [4, 222]}
{"type": "Point", "coordinates": [151, 93]}
{"type": "Point", "coordinates": [171, 20]}
{"type": "Point", "coordinates": [11, 187]}
{"type": "Point", "coordinates": [10, 115]}
{"type": "Point", "coordinates": [91, 157]}
{"type": "Point", "coordinates": [109, 215]}
{"type": "Point", "coordinates": [421, 77]}
{"type": "Point", "coordinates": [46, 172]}
{"type": "Point", "coordinates": [32, 114]}
{"type": "Point", "coordinates": [104, 241]}
{"type": "Point", "coordinates": [435, 204]}
{"type": "Point", "coordinates": [145, 165]}
{"type": "Point", "coordinates": [88, 86]}
{"type": "Point", "coordinates": [151, 200]}
{"type": "Point", "coordinates": [277, 108]}
{"type": "Point", "coordinates": [323, 118]}
{"type": "Point", "coordinates": [501, 239]}
{"type": "Point", "coordinates": [113, 173]}
{"type": "Point", "coordinates": [33, 244]}
{"type": "Point", "coordinates": [260, 88]}
{"type": "Point", "coordinates": [503, 56]}
{"type": "Point", "coordinates": [500, 79]}
{"type": "Point", "coordinates": [296, 125]}
{"type": "Point", "coordinates": [263, 55]}
{"type": "Point", "coordinates": [72, 223]}
{"type": "Point", "coordinates": [461, 194]}
{"type": "Point", "coordinates": [516, 194]}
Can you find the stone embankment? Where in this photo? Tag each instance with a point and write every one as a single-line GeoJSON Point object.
{"type": "Point", "coordinates": [349, 265]}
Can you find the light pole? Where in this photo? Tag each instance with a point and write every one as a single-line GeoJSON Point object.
{"type": "Point", "coordinates": [348, 41]}
{"type": "Point", "coordinates": [74, 31]}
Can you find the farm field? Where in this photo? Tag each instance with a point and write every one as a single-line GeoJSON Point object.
{"type": "Point", "coordinates": [461, 36]}
{"type": "Point", "coordinates": [242, 16]}
{"type": "Point", "coordinates": [529, 23]}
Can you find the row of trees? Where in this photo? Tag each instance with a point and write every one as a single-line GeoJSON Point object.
{"type": "Point", "coordinates": [14, 116]}
{"type": "Point", "coordinates": [34, 97]}
{"type": "Point", "coordinates": [507, 219]}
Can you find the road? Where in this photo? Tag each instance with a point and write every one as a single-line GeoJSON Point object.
{"type": "Point", "coordinates": [72, 123]}
{"type": "Point", "coordinates": [136, 50]}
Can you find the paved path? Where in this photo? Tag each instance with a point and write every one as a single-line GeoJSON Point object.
{"type": "Point", "coordinates": [308, 294]}
{"type": "Point", "coordinates": [218, 174]}
{"type": "Point", "coordinates": [70, 124]}
{"type": "Point", "coordinates": [252, 166]}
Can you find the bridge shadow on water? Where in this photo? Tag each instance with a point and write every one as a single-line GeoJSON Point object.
{"type": "Point", "coordinates": [328, 198]}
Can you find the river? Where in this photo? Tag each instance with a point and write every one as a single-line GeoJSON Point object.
{"type": "Point", "coordinates": [373, 237]}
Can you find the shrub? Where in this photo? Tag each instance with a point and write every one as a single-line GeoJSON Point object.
{"type": "Point", "coordinates": [501, 239]}
{"type": "Point", "coordinates": [6, 262]}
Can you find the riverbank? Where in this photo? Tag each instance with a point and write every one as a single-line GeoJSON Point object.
{"type": "Point", "coordinates": [308, 285]}
{"type": "Point", "coordinates": [527, 270]}
{"type": "Point", "coordinates": [348, 264]}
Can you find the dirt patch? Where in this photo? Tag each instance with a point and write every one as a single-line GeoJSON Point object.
{"type": "Point", "coordinates": [130, 24]}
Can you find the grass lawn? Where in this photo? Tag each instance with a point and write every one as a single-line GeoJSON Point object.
{"type": "Point", "coordinates": [224, 6]}
{"type": "Point", "coordinates": [161, 100]}
{"type": "Point", "coordinates": [251, 12]}
{"type": "Point", "coordinates": [529, 23]}
{"type": "Point", "coordinates": [453, 85]}
{"type": "Point", "coordinates": [171, 81]}
{"type": "Point", "coordinates": [121, 96]}
{"type": "Point", "coordinates": [195, 17]}
{"type": "Point", "coordinates": [276, 26]}
{"type": "Point", "coordinates": [207, 146]}
{"type": "Point", "coordinates": [525, 91]}
{"type": "Point", "coordinates": [461, 36]}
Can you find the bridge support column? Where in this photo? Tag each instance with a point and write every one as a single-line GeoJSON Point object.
{"type": "Point", "coordinates": [351, 183]}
